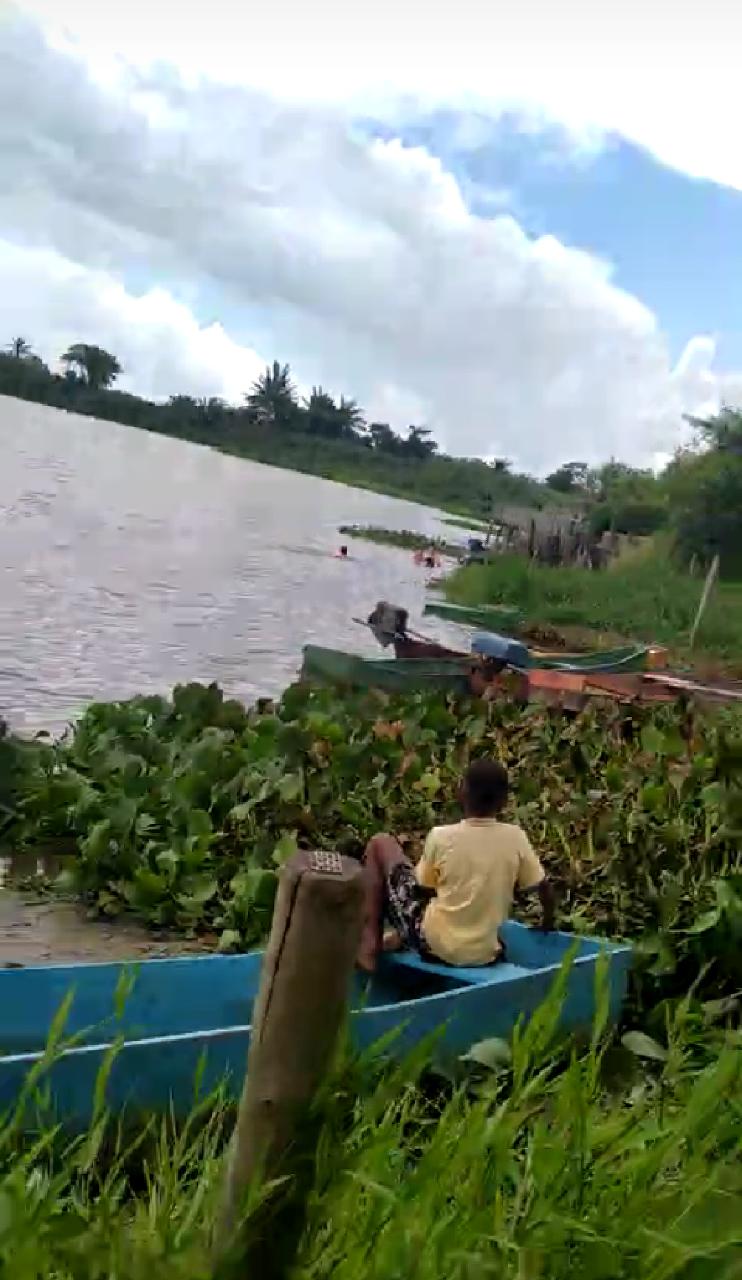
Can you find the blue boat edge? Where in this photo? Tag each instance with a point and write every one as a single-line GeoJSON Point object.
{"type": "Point", "coordinates": [190, 1057]}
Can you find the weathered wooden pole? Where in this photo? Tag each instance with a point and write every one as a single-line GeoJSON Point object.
{"type": "Point", "coordinates": [302, 1003]}
{"type": "Point", "coordinates": [711, 577]}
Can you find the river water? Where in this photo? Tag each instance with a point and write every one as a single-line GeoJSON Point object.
{"type": "Point", "coordinates": [130, 562]}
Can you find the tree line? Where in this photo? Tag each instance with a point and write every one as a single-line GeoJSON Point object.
{"type": "Point", "coordinates": [319, 434]}
{"type": "Point", "coordinates": [271, 402]}
{"type": "Point", "coordinates": [697, 498]}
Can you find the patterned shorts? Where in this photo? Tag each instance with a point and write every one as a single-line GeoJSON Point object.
{"type": "Point", "coordinates": [404, 906]}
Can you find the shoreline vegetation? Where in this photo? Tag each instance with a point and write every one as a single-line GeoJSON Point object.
{"type": "Point", "coordinates": [182, 810]}
{"type": "Point", "coordinates": [617, 1158]}
{"type": "Point", "coordinates": [697, 499]}
{"type": "Point", "coordinates": [319, 435]}
{"type": "Point", "coordinates": [643, 596]}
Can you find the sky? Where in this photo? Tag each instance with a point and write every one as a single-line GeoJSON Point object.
{"type": "Point", "coordinates": [519, 225]}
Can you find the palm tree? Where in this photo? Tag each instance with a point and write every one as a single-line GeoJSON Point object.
{"type": "Point", "coordinates": [418, 443]}
{"type": "Point", "coordinates": [351, 417]}
{"type": "Point", "coordinates": [383, 438]}
{"type": "Point", "coordinates": [272, 396]}
{"type": "Point", "coordinates": [92, 365]}
{"type": "Point", "coordinates": [19, 349]}
{"type": "Point", "coordinates": [322, 415]}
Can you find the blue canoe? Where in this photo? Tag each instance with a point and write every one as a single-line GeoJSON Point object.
{"type": "Point", "coordinates": [184, 1025]}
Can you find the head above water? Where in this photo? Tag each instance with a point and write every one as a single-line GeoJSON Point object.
{"type": "Point", "coordinates": [484, 789]}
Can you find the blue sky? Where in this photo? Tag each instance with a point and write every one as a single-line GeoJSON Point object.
{"type": "Point", "coordinates": [674, 241]}
{"type": "Point", "coordinates": [201, 211]}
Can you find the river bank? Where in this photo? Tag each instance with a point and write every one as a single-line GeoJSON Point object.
{"type": "Point", "coordinates": [181, 811]}
{"type": "Point", "coordinates": [640, 597]}
{"type": "Point", "coordinates": [175, 815]}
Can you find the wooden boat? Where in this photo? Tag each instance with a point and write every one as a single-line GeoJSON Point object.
{"type": "Point", "coordinates": [159, 1034]}
{"type": "Point", "coordinates": [627, 658]}
{"type": "Point", "coordinates": [486, 617]}
{"type": "Point", "coordinates": [408, 647]}
{"type": "Point", "coordinates": [573, 689]}
{"type": "Point", "coordinates": [395, 675]}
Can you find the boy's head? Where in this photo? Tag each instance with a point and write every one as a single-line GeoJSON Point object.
{"type": "Point", "coordinates": [484, 790]}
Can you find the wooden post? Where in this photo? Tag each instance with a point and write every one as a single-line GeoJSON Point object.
{"type": "Point", "coordinates": [711, 577]}
{"type": "Point", "coordinates": [301, 1005]}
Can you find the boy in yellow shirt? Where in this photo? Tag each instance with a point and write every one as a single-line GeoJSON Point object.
{"type": "Point", "coordinates": [450, 906]}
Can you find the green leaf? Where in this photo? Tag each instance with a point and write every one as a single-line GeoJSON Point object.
{"type": "Point", "coordinates": [708, 920]}
{"type": "Point", "coordinates": [653, 740]}
{"type": "Point", "coordinates": [168, 861]}
{"type": "Point", "coordinates": [285, 848]}
{"type": "Point", "coordinates": [241, 811]}
{"type": "Point", "coordinates": [147, 888]}
{"type": "Point", "coordinates": [199, 889]}
{"type": "Point", "coordinates": [291, 787]}
{"type": "Point", "coordinates": [199, 823]}
{"type": "Point", "coordinates": [229, 940]}
{"type": "Point", "coordinates": [643, 1046]}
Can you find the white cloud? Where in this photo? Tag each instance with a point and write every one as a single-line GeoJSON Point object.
{"type": "Point", "coordinates": [659, 73]}
{"type": "Point", "coordinates": [161, 346]}
{"type": "Point", "coordinates": [359, 260]}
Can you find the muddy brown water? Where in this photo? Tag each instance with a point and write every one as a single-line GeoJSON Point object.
{"type": "Point", "coordinates": [37, 928]}
{"type": "Point", "coordinates": [130, 562]}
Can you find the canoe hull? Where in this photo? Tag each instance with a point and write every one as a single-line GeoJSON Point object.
{"type": "Point", "coordinates": [394, 675]}
{"type": "Point", "coordinates": [485, 617]}
{"type": "Point", "coordinates": [624, 661]}
{"type": "Point", "coordinates": [184, 1028]}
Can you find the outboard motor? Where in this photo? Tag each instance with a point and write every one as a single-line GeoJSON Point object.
{"type": "Point", "coordinates": [388, 623]}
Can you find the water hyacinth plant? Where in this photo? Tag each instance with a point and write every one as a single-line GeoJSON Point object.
{"type": "Point", "coordinates": [182, 810]}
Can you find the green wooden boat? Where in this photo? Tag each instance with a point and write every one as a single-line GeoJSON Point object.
{"type": "Point", "coordinates": [394, 675]}
{"type": "Point", "coordinates": [490, 617]}
{"type": "Point", "coordinates": [602, 662]}
{"type": "Point", "coordinates": [627, 658]}
{"type": "Point", "coordinates": [493, 618]}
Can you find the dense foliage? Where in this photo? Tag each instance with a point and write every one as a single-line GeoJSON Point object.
{"type": "Point", "coordinates": [642, 596]}
{"type": "Point", "coordinates": [182, 810]}
{"type": "Point", "coordinates": [320, 435]}
{"type": "Point", "coordinates": [705, 489]}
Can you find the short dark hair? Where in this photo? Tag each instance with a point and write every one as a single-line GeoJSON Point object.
{"type": "Point", "coordinates": [486, 787]}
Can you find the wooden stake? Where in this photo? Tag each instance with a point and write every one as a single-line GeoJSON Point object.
{"type": "Point", "coordinates": [711, 577]}
{"type": "Point", "coordinates": [301, 1005]}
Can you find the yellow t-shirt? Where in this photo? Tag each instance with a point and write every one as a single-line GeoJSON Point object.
{"type": "Point", "coordinates": [475, 867]}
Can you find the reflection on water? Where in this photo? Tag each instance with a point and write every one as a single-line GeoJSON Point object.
{"type": "Point", "coordinates": [129, 562]}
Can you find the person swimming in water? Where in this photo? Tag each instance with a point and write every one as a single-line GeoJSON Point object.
{"type": "Point", "coordinates": [342, 553]}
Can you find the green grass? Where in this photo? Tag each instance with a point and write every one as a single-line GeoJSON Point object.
{"type": "Point", "coordinates": [599, 1163]}
{"type": "Point", "coordinates": [643, 598]}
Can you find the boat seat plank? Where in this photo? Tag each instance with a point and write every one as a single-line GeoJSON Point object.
{"type": "Point", "coordinates": [503, 971]}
